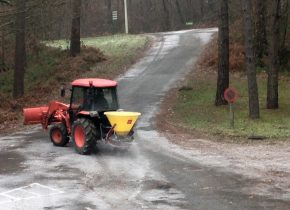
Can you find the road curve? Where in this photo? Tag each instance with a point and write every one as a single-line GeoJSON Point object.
{"type": "Point", "coordinates": [153, 174]}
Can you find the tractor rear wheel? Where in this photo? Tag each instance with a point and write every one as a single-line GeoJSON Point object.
{"type": "Point", "coordinates": [58, 135]}
{"type": "Point", "coordinates": [84, 135]}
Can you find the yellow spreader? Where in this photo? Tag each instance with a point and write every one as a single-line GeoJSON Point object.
{"type": "Point", "coordinates": [122, 122]}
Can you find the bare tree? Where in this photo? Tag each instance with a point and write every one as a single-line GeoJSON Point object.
{"type": "Point", "coordinates": [75, 42]}
{"type": "Point", "coordinates": [202, 5]}
{"type": "Point", "coordinates": [179, 12]}
{"type": "Point", "coordinates": [5, 2]}
{"type": "Point", "coordinates": [273, 73]}
{"type": "Point", "coordinates": [20, 51]}
{"type": "Point", "coordinates": [254, 108]}
{"type": "Point", "coordinates": [261, 34]}
{"type": "Point", "coordinates": [285, 19]}
{"type": "Point", "coordinates": [109, 13]}
{"type": "Point", "coordinates": [167, 21]}
{"type": "Point", "coordinates": [284, 27]}
{"type": "Point", "coordinates": [223, 67]}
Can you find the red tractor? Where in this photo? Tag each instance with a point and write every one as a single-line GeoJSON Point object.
{"type": "Point", "coordinates": [91, 116]}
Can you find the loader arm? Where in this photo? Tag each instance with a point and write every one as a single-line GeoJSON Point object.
{"type": "Point", "coordinates": [56, 112]}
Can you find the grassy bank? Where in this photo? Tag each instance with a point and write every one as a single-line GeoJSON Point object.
{"type": "Point", "coordinates": [49, 66]}
{"type": "Point", "coordinates": [121, 51]}
{"type": "Point", "coordinates": [195, 110]}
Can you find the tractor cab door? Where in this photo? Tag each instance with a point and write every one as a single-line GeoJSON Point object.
{"type": "Point", "coordinates": [77, 101]}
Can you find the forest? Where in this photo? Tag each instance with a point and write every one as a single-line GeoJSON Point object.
{"type": "Point", "coordinates": [52, 20]}
{"type": "Point", "coordinates": [253, 35]}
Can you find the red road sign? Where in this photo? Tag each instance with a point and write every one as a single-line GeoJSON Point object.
{"type": "Point", "coordinates": [231, 95]}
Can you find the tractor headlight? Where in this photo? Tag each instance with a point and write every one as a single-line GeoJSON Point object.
{"type": "Point", "coordinates": [94, 114]}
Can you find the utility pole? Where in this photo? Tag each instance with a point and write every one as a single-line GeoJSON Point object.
{"type": "Point", "coordinates": [126, 17]}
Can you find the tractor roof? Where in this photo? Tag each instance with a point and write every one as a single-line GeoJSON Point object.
{"type": "Point", "coordinates": [95, 82]}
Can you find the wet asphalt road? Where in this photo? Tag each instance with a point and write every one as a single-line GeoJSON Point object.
{"type": "Point", "coordinates": [153, 174]}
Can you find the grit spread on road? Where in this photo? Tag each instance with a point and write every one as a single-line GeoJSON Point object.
{"type": "Point", "coordinates": [153, 174]}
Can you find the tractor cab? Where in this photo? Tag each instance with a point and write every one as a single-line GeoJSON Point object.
{"type": "Point", "coordinates": [94, 95]}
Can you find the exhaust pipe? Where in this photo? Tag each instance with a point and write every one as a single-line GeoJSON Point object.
{"type": "Point", "coordinates": [34, 115]}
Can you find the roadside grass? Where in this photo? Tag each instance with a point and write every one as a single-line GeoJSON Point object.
{"type": "Point", "coordinates": [50, 67]}
{"type": "Point", "coordinates": [115, 45]}
{"type": "Point", "coordinates": [121, 51]}
{"type": "Point", "coordinates": [195, 110]}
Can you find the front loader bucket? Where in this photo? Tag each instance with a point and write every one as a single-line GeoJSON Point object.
{"type": "Point", "coordinates": [34, 115]}
{"type": "Point", "coordinates": [122, 122]}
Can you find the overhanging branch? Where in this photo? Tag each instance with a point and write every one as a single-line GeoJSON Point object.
{"type": "Point", "coordinates": [5, 2]}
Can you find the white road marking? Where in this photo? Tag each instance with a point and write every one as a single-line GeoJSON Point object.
{"type": "Point", "coordinates": [35, 194]}
{"type": "Point", "coordinates": [8, 196]}
{"type": "Point", "coordinates": [34, 190]}
{"type": "Point", "coordinates": [52, 189]}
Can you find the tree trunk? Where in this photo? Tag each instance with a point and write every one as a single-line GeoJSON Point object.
{"type": "Point", "coordinates": [254, 109]}
{"type": "Point", "coordinates": [20, 51]}
{"type": "Point", "coordinates": [75, 42]}
{"type": "Point", "coordinates": [109, 14]}
{"type": "Point", "coordinates": [5, 2]}
{"type": "Point", "coordinates": [261, 34]}
{"type": "Point", "coordinates": [223, 67]}
{"type": "Point", "coordinates": [180, 13]}
{"type": "Point", "coordinates": [167, 25]}
{"type": "Point", "coordinates": [201, 4]}
{"type": "Point", "coordinates": [3, 47]}
{"type": "Point", "coordinates": [284, 21]}
{"type": "Point", "coordinates": [273, 73]}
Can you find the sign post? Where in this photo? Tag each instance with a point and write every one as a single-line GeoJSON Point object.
{"type": "Point", "coordinates": [232, 115]}
{"type": "Point", "coordinates": [231, 96]}
{"type": "Point", "coordinates": [114, 22]}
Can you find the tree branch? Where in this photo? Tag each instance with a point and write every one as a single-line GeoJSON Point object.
{"type": "Point", "coordinates": [5, 2]}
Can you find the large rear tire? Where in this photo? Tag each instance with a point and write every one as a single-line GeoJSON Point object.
{"type": "Point", "coordinates": [58, 135]}
{"type": "Point", "coordinates": [84, 135]}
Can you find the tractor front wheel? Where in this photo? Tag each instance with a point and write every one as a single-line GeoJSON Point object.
{"type": "Point", "coordinates": [84, 136]}
{"type": "Point", "coordinates": [58, 135]}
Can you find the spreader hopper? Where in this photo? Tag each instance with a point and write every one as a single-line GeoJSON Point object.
{"type": "Point", "coordinates": [122, 122]}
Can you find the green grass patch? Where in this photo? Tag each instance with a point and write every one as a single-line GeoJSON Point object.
{"type": "Point", "coordinates": [195, 109]}
{"type": "Point", "coordinates": [121, 51]}
{"type": "Point", "coordinates": [116, 45]}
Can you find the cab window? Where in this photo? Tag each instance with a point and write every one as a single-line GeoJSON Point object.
{"type": "Point", "coordinates": [77, 97]}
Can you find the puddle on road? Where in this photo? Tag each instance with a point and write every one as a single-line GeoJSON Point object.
{"type": "Point", "coordinates": [11, 162]}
